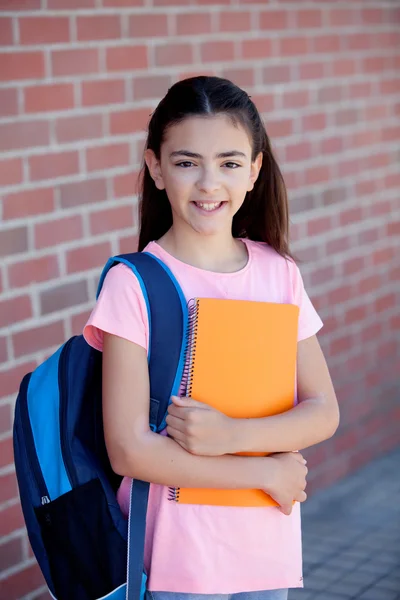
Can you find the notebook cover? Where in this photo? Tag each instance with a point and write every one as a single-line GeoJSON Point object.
{"type": "Point", "coordinates": [243, 363]}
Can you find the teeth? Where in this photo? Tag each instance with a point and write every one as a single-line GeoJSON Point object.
{"type": "Point", "coordinates": [208, 205]}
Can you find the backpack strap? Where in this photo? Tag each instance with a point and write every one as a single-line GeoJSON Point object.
{"type": "Point", "coordinates": [167, 314]}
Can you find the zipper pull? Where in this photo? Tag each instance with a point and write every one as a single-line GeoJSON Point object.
{"type": "Point", "coordinates": [45, 500]}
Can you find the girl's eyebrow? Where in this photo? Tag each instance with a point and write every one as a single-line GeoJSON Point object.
{"type": "Point", "coordinates": [189, 154]}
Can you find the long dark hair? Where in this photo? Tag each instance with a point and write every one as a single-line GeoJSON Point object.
{"type": "Point", "coordinates": [263, 215]}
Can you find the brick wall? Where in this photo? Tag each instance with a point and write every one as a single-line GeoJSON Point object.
{"type": "Point", "coordinates": [78, 80]}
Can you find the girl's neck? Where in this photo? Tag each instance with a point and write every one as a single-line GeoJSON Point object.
{"type": "Point", "coordinates": [220, 253]}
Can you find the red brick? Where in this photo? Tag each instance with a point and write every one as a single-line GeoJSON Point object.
{"type": "Point", "coordinates": [11, 553]}
{"type": "Point", "coordinates": [18, 5]}
{"type": "Point", "coordinates": [338, 245]}
{"type": "Point", "coordinates": [129, 121]}
{"type": "Point", "coordinates": [11, 519]}
{"type": "Point", "coordinates": [369, 284]}
{"type": "Point", "coordinates": [332, 145]}
{"type": "Point", "coordinates": [83, 192]}
{"type": "Point", "coordinates": [368, 236]}
{"type": "Point", "coordinates": [154, 86]}
{"type": "Point", "coordinates": [318, 226]}
{"type": "Point", "coordinates": [280, 128]}
{"type": "Point", "coordinates": [393, 228]}
{"type": "Point", "coordinates": [385, 303]}
{"type": "Point", "coordinates": [6, 453]}
{"type": "Point", "coordinates": [8, 102]}
{"type": "Point", "coordinates": [314, 122]}
{"type": "Point", "coordinates": [372, 16]}
{"type": "Point", "coordinates": [70, 4]}
{"type": "Point", "coordinates": [125, 185]}
{"type": "Point", "coordinates": [126, 58]}
{"type": "Point", "coordinates": [217, 51]}
{"type": "Point", "coordinates": [107, 157]}
{"type": "Point", "coordinates": [75, 62]}
{"type": "Point", "coordinates": [43, 30]}
{"type": "Point", "coordinates": [322, 276]}
{"type": "Point", "coordinates": [148, 25]}
{"type": "Point", "coordinates": [317, 175]}
{"type": "Point", "coordinates": [242, 77]}
{"type": "Point", "coordinates": [352, 215]}
{"type": "Point", "coordinates": [360, 41]}
{"type": "Point", "coordinates": [327, 43]}
{"type": "Point", "coordinates": [22, 582]}
{"type": "Point", "coordinates": [6, 31]}
{"type": "Point", "coordinates": [300, 151]}
{"type": "Point", "coordinates": [274, 19]}
{"type": "Point", "coordinates": [193, 23]}
{"type": "Point", "coordinates": [103, 92]}
{"type": "Point", "coordinates": [312, 70]}
{"type": "Point", "coordinates": [341, 345]}
{"type": "Point", "coordinates": [79, 321]}
{"type": "Point", "coordinates": [392, 181]}
{"type": "Point", "coordinates": [294, 46]}
{"type": "Point", "coordinates": [53, 233]}
{"type": "Point", "coordinates": [296, 99]}
{"type": "Point", "coordinates": [264, 102]}
{"type": "Point", "coordinates": [309, 18]}
{"type": "Point", "coordinates": [21, 65]}
{"type": "Point", "coordinates": [342, 17]}
{"type": "Point", "coordinates": [87, 257]}
{"type": "Point", "coordinates": [354, 315]}
{"type": "Point", "coordinates": [13, 241]}
{"type": "Point", "coordinates": [45, 98]}
{"type": "Point", "coordinates": [3, 351]}
{"type": "Point", "coordinates": [390, 134]}
{"type": "Point", "coordinates": [343, 67]}
{"type": "Point", "coordinates": [30, 202]}
{"type": "Point", "coordinates": [98, 27]}
{"type": "Point", "coordinates": [10, 380]}
{"type": "Point", "coordinates": [111, 219]}
{"type": "Point", "coordinates": [276, 74]}
{"type": "Point", "coordinates": [31, 271]}
{"type": "Point", "coordinates": [128, 244]}
{"type": "Point", "coordinates": [50, 166]}
{"type": "Point", "coordinates": [71, 129]}
{"type": "Point", "coordinates": [258, 48]}
{"type": "Point", "coordinates": [27, 134]}
{"type": "Point", "coordinates": [123, 3]}
{"type": "Point", "coordinates": [234, 21]}
{"type": "Point", "coordinates": [15, 310]}
{"type": "Point", "coordinates": [340, 295]}
{"type": "Point", "coordinates": [360, 90]}
{"type": "Point", "coordinates": [381, 208]}
{"type": "Point", "coordinates": [353, 265]}
{"type": "Point", "coordinates": [11, 171]}
{"type": "Point", "coordinates": [39, 338]}
{"type": "Point", "coordinates": [63, 296]}
{"type": "Point", "coordinates": [178, 54]}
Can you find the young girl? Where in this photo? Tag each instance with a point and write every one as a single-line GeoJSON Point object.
{"type": "Point", "coordinates": [214, 209]}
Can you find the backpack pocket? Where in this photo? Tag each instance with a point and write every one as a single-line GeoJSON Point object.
{"type": "Point", "coordinates": [86, 553]}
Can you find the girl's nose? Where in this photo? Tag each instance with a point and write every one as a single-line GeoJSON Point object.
{"type": "Point", "coordinates": [208, 181]}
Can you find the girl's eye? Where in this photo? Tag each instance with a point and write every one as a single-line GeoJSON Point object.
{"type": "Point", "coordinates": [185, 164]}
{"type": "Point", "coordinates": [231, 165]}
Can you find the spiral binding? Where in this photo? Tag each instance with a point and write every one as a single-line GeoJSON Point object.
{"type": "Point", "coordinates": [188, 369]}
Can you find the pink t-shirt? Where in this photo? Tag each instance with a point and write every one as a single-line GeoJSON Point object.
{"type": "Point", "coordinates": [211, 549]}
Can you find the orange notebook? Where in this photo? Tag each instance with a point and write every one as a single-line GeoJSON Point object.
{"type": "Point", "coordinates": [242, 361]}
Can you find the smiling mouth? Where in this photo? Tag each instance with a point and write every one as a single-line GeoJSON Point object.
{"type": "Point", "coordinates": [209, 206]}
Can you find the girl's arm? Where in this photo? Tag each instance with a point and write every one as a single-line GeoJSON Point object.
{"type": "Point", "coordinates": [203, 430]}
{"type": "Point", "coordinates": [135, 451]}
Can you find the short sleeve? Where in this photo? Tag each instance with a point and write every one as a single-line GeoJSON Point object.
{"type": "Point", "coordinates": [309, 320]}
{"type": "Point", "coordinates": [119, 310]}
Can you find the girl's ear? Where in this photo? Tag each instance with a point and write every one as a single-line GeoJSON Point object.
{"type": "Point", "coordinates": [154, 167]}
{"type": "Point", "coordinates": [254, 171]}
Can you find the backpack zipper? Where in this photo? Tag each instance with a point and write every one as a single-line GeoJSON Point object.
{"type": "Point", "coordinates": [63, 387]}
{"type": "Point", "coordinates": [30, 448]}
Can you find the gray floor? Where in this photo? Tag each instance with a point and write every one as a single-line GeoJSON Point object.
{"type": "Point", "coordinates": [351, 537]}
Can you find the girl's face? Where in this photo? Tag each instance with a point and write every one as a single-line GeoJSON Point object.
{"type": "Point", "coordinates": [206, 170]}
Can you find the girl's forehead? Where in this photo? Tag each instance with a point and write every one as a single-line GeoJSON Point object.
{"type": "Point", "coordinates": [208, 132]}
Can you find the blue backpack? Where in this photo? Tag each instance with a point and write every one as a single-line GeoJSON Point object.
{"type": "Point", "coordinates": [84, 545]}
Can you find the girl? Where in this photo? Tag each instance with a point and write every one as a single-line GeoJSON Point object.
{"type": "Point", "coordinates": [214, 209]}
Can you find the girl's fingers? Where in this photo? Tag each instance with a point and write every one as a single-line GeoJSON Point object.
{"type": "Point", "coordinates": [177, 435]}
{"type": "Point", "coordinates": [175, 422]}
{"type": "Point", "coordinates": [177, 412]}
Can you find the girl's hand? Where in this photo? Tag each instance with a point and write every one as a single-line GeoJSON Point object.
{"type": "Point", "coordinates": [288, 480]}
{"type": "Point", "coordinates": [199, 428]}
